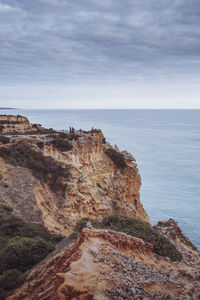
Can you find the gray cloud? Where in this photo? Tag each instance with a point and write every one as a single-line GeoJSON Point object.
{"type": "Point", "coordinates": [116, 41]}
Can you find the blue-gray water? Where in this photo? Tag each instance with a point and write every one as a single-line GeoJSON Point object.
{"type": "Point", "coordinates": [166, 145]}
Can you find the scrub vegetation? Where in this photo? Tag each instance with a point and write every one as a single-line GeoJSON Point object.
{"type": "Point", "coordinates": [22, 245]}
{"type": "Point", "coordinates": [117, 158]}
{"type": "Point", "coordinates": [137, 228]}
{"type": "Point", "coordinates": [46, 169]}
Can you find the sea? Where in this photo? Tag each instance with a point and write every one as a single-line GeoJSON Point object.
{"type": "Point", "coordinates": [166, 145]}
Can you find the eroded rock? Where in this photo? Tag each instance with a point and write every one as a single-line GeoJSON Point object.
{"type": "Point", "coordinates": [103, 264]}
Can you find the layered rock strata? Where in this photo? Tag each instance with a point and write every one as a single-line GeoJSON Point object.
{"type": "Point", "coordinates": [101, 264]}
{"type": "Point", "coordinates": [104, 264]}
{"type": "Point", "coordinates": [10, 124]}
{"type": "Point", "coordinates": [96, 185]}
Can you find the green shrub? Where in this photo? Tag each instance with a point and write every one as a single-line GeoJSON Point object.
{"type": "Point", "coordinates": [22, 155]}
{"type": "Point", "coordinates": [61, 144]}
{"type": "Point", "coordinates": [22, 244]}
{"type": "Point", "coordinates": [4, 139]}
{"type": "Point", "coordinates": [117, 158]}
{"type": "Point", "coordinates": [46, 169]}
{"type": "Point", "coordinates": [5, 207]}
{"type": "Point", "coordinates": [11, 226]}
{"type": "Point", "coordinates": [63, 135]}
{"type": "Point", "coordinates": [73, 236]}
{"type": "Point", "coordinates": [22, 253]}
{"type": "Point", "coordinates": [82, 223]}
{"type": "Point", "coordinates": [33, 230]}
{"type": "Point", "coordinates": [11, 279]}
{"type": "Point", "coordinates": [137, 228]}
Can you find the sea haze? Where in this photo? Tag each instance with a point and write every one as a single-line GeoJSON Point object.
{"type": "Point", "coordinates": [166, 145]}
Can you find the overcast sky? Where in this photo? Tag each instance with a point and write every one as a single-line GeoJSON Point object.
{"type": "Point", "coordinates": [100, 53]}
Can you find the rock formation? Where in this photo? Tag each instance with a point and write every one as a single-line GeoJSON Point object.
{"type": "Point", "coordinates": [10, 124]}
{"type": "Point", "coordinates": [95, 187]}
{"type": "Point", "coordinates": [5, 119]}
{"type": "Point", "coordinates": [57, 178]}
{"type": "Point", "coordinates": [104, 264]}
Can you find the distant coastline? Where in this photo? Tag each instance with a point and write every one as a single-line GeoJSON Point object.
{"type": "Point", "coordinates": [7, 108]}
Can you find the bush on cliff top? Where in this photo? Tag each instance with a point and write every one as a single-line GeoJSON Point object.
{"type": "Point", "coordinates": [10, 280]}
{"type": "Point", "coordinates": [61, 144]}
{"type": "Point", "coordinates": [22, 244]}
{"type": "Point", "coordinates": [117, 158]}
{"type": "Point", "coordinates": [4, 139]}
{"type": "Point", "coordinates": [137, 228]}
{"type": "Point", "coordinates": [80, 224]}
{"type": "Point", "coordinates": [22, 253]}
{"type": "Point", "coordinates": [69, 136]}
{"type": "Point", "coordinates": [62, 141]}
{"type": "Point", "coordinates": [22, 155]}
{"type": "Point", "coordinates": [46, 169]}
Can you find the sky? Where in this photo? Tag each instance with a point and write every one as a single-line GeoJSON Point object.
{"type": "Point", "coordinates": [100, 54]}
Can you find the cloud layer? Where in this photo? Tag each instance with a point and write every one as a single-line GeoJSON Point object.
{"type": "Point", "coordinates": [116, 42]}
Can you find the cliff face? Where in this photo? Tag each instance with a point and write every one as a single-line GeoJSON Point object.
{"type": "Point", "coordinates": [95, 186]}
{"type": "Point", "coordinates": [57, 179]}
{"type": "Point", "coordinates": [13, 119]}
{"type": "Point", "coordinates": [104, 264]}
{"type": "Point", "coordinates": [10, 124]}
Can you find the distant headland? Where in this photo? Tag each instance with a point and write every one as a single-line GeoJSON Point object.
{"type": "Point", "coordinates": [8, 108]}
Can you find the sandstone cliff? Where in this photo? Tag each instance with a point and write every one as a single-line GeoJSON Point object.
{"type": "Point", "coordinates": [104, 264]}
{"type": "Point", "coordinates": [6, 119]}
{"type": "Point", "coordinates": [10, 124]}
{"type": "Point", "coordinates": [57, 178]}
{"type": "Point", "coordinates": [95, 187]}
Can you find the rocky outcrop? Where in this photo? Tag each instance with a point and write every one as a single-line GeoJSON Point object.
{"type": "Point", "coordinates": [13, 119]}
{"type": "Point", "coordinates": [18, 124]}
{"type": "Point", "coordinates": [173, 232]}
{"type": "Point", "coordinates": [95, 187]}
{"type": "Point", "coordinates": [104, 264]}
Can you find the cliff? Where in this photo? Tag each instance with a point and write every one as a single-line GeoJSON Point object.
{"type": "Point", "coordinates": [95, 185]}
{"type": "Point", "coordinates": [18, 124]}
{"type": "Point", "coordinates": [103, 264]}
{"type": "Point", "coordinates": [13, 119]}
{"type": "Point", "coordinates": [58, 179]}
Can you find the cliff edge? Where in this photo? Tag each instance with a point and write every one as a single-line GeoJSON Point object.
{"type": "Point", "coordinates": [59, 177]}
{"type": "Point", "coordinates": [75, 181]}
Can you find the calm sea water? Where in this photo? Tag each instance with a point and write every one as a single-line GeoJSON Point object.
{"type": "Point", "coordinates": [166, 145]}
